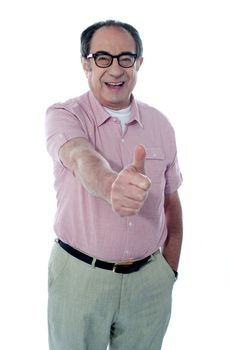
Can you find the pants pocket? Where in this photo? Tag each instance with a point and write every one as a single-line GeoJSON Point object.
{"type": "Point", "coordinates": [58, 262]}
{"type": "Point", "coordinates": [167, 267]}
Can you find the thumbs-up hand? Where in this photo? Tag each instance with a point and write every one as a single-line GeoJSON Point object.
{"type": "Point", "coordinates": [130, 189]}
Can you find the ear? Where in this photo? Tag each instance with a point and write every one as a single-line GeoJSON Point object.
{"type": "Point", "coordinates": [139, 62]}
{"type": "Point", "coordinates": [86, 65]}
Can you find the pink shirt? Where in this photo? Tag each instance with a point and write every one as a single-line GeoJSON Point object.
{"type": "Point", "coordinates": [88, 223]}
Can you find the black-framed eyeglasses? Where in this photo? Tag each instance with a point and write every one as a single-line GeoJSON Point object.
{"type": "Point", "coordinates": [104, 59]}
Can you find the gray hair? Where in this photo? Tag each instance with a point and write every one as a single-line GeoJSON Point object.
{"type": "Point", "coordinates": [88, 33]}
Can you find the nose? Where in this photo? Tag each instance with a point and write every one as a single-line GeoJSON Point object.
{"type": "Point", "coordinates": [115, 69]}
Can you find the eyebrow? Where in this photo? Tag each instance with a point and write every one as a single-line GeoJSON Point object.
{"type": "Point", "coordinates": [121, 53]}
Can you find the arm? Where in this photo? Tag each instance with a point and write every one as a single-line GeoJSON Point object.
{"type": "Point", "coordinates": [125, 191]}
{"type": "Point", "coordinates": [94, 172]}
{"type": "Point", "coordinates": [173, 213]}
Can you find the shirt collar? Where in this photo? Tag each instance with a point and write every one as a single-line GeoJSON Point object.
{"type": "Point", "coordinates": [101, 115]}
{"type": "Point", "coordinates": [135, 113]}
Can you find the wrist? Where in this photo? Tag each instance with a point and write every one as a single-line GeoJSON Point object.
{"type": "Point", "coordinates": [108, 181]}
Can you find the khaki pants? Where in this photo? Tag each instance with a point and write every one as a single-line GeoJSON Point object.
{"type": "Point", "coordinates": [89, 307]}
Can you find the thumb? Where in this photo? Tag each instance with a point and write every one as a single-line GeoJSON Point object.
{"type": "Point", "coordinates": [139, 158]}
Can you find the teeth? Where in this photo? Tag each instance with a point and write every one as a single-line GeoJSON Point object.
{"type": "Point", "coordinates": [115, 84]}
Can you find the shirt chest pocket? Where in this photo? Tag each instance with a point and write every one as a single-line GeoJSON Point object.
{"type": "Point", "coordinates": [155, 164]}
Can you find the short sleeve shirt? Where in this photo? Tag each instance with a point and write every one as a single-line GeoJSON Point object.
{"type": "Point", "coordinates": [87, 222]}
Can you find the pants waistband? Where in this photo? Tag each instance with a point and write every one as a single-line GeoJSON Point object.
{"type": "Point", "coordinates": [129, 267]}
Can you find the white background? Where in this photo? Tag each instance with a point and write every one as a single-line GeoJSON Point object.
{"type": "Point", "coordinates": [186, 75]}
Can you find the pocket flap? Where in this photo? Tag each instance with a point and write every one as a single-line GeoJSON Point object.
{"type": "Point", "coordinates": [155, 153]}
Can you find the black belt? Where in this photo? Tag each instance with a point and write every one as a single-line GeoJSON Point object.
{"type": "Point", "coordinates": [128, 267]}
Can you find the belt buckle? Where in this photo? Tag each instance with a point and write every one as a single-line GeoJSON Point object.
{"type": "Point", "coordinates": [125, 264]}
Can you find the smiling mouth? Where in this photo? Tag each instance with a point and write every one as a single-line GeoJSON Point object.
{"type": "Point", "coordinates": [115, 85]}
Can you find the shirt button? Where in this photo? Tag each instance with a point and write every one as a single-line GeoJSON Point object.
{"type": "Point", "coordinates": [126, 252]}
{"type": "Point", "coordinates": [123, 140]}
{"type": "Point", "coordinates": [130, 224]}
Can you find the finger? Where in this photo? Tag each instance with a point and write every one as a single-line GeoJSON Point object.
{"type": "Point", "coordinates": [139, 158]}
{"type": "Point", "coordinates": [123, 211]}
{"type": "Point", "coordinates": [128, 207]}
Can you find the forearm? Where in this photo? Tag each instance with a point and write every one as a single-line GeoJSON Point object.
{"type": "Point", "coordinates": [93, 170]}
{"type": "Point", "coordinates": [173, 243]}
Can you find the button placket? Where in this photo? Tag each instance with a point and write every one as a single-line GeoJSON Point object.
{"type": "Point", "coordinates": [130, 228]}
{"type": "Point", "coordinates": [129, 222]}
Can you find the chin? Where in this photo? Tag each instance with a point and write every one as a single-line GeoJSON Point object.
{"type": "Point", "coordinates": [117, 103]}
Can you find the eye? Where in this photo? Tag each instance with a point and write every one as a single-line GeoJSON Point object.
{"type": "Point", "coordinates": [103, 60]}
{"type": "Point", "coordinates": [126, 60]}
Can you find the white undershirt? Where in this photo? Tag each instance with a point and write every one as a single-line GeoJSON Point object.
{"type": "Point", "coordinates": [122, 115]}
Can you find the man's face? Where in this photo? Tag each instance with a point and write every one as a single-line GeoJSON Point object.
{"type": "Point", "coordinates": [112, 86]}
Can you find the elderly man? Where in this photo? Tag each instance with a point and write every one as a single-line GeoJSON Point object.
{"type": "Point", "coordinates": [119, 221]}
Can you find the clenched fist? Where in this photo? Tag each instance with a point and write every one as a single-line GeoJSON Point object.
{"type": "Point", "coordinates": [130, 189]}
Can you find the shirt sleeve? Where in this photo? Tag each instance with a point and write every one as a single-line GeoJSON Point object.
{"type": "Point", "coordinates": [172, 174]}
{"type": "Point", "coordinates": [61, 126]}
{"type": "Point", "coordinates": [173, 177]}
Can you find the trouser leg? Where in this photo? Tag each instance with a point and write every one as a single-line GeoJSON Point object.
{"type": "Point", "coordinates": [145, 307]}
{"type": "Point", "coordinates": [82, 303]}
